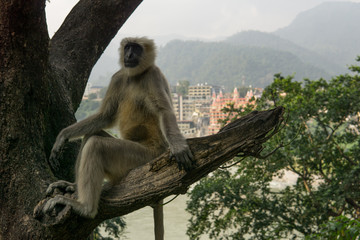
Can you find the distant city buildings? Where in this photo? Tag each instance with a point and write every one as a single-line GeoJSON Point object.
{"type": "Point", "coordinates": [202, 106]}
{"type": "Point", "coordinates": [198, 112]}
{"type": "Point", "coordinates": [221, 101]}
{"type": "Point", "coordinates": [187, 128]}
{"type": "Point", "coordinates": [90, 89]}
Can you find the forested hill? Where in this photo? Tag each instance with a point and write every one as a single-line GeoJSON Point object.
{"type": "Point", "coordinates": [331, 29]}
{"type": "Point", "coordinates": [270, 40]}
{"type": "Point", "coordinates": [230, 65]}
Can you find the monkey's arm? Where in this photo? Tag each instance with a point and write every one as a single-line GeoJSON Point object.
{"type": "Point", "coordinates": [178, 146]}
{"type": "Point", "coordinates": [89, 126]}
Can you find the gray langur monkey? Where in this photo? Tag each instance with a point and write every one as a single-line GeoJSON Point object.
{"type": "Point", "coordinates": [138, 102]}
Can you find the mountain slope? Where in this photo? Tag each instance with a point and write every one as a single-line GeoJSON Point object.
{"type": "Point", "coordinates": [270, 40]}
{"type": "Point", "coordinates": [229, 65]}
{"type": "Point", "coordinates": [331, 29]}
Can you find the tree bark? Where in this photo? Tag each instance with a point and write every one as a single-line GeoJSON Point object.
{"type": "Point", "coordinates": [41, 85]}
{"type": "Point", "coordinates": [40, 89]}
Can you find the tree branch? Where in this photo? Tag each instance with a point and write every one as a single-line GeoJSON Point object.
{"type": "Point", "coordinates": [160, 178]}
{"type": "Point", "coordinates": [352, 203]}
{"type": "Point", "coordinates": [82, 38]}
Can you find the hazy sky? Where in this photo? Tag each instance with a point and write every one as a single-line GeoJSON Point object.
{"type": "Point", "coordinates": [198, 18]}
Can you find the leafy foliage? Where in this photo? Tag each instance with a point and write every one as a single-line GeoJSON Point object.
{"type": "Point", "coordinates": [113, 227]}
{"type": "Point", "coordinates": [102, 92]}
{"type": "Point", "coordinates": [339, 228]}
{"type": "Point", "coordinates": [86, 108]}
{"type": "Point", "coordinates": [320, 146]}
{"type": "Point", "coordinates": [182, 87]}
{"type": "Point", "coordinates": [92, 96]}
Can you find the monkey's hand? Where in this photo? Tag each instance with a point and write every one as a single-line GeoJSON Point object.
{"type": "Point", "coordinates": [53, 160]}
{"type": "Point", "coordinates": [62, 186]}
{"type": "Point", "coordinates": [184, 158]}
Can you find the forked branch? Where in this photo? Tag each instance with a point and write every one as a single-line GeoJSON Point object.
{"type": "Point", "coordinates": [160, 178]}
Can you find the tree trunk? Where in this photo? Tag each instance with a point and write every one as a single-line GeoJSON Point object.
{"type": "Point", "coordinates": [40, 89]}
{"type": "Point", "coordinates": [41, 85]}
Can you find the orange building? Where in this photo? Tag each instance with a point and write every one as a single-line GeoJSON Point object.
{"type": "Point", "coordinates": [220, 101]}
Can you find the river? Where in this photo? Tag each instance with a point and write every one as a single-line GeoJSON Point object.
{"type": "Point", "coordinates": [140, 223]}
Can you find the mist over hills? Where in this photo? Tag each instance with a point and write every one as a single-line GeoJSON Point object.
{"type": "Point", "coordinates": [331, 29]}
{"type": "Point", "coordinates": [229, 65]}
{"type": "Point", "coordinates": [270, 40]}
{"type": "Point", "coordinates": [320, 42]}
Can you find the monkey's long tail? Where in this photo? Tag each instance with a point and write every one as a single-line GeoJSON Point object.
{"type": "Point", "coordinates": [159, 221]}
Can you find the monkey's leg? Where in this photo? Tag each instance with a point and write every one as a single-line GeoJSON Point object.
{"type": "Point", "coordinates": [120, 156]}
{"type": "Point", "coordinates": [158, 220]}
{"type": "Point", "coordinates": [101, 133]}
{"type": "Point", "coordinates": [105, 156]}
{"type": "Point", "coordinates": [101, 156]}
{"type": "Point", "coordinates": [68, 187]}
{"type": "Point", "coordinates": [89, 178]}
{"type": "Point", "coordinates": [85, 208]}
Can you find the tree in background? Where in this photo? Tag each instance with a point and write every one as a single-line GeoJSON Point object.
{"type": "Point", "coordinates": [320, 145]}
{"type": "Point", "coordinates": [92, 96]}
{"type": "Point", "coordinates": [87, 107]}
{"type": "Point", "coordinates": [339, 228]}
{"type": "Point", "coordinates": [182, 87]}
{"type": "Point", "coordinates": [102, 92]}
{"type": "Point", "coordinates": [243, 91]}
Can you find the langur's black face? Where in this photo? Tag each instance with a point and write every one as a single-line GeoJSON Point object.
{"type": "Point", "coordinates": [132, 54]}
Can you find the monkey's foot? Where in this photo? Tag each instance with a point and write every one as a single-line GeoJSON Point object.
{"type": "Point", "coordinates": [52, 202]}
{"type": "Point", "coordinates": [52, 211]}
{"type": "Point", "coordinates": [56, 204]}
{"type": "Point", "coordinates": [61, 187]}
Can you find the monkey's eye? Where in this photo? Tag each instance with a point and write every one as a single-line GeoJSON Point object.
{"type": "Point", "coordinates": [133, 47]}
